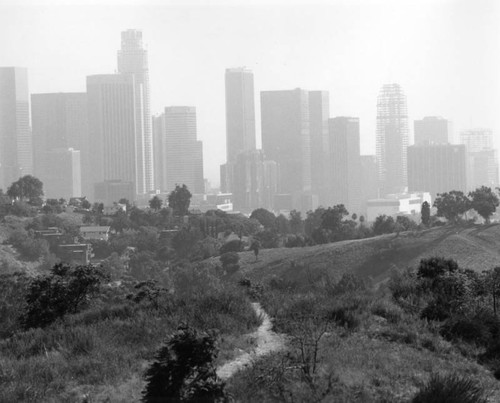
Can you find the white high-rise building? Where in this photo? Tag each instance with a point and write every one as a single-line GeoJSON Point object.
{"type": "Point", "coordinates": [133, 59]}
{"type": "Point", "coordinates": [392, 138]}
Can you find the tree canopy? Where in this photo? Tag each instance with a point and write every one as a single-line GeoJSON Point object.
{"type": "Point", "coordinates": [155, 203]}
{"type": "Point", "coordinates": [265, 217]}
{"type": "Point", "coordinates": [179, 200]}
{"type": "Point", "coordinates": [26, 188]}
{"type": "Point", "coordinates": [484, 201]}
{"type": "Point", "coordinates": [451, 205]}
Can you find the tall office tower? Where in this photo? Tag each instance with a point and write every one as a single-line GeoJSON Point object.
{"type": "Point", "coordinates": [133, 59]}
{"type": "Point", "coordinates": [432, 130]}
{"type": "Point", "coordinates": [477, 139]}
{"type": "Point", "coordinates": [482, 158]}
{"type": "Point", "coordinates": [255, 181]}
{"type": "Point", "coordinates": [16, 149]}
{"type": "Point", "coordinates": [158, 126]}
{"type": "Point", "coordinates": [369, 180]}
{"type": "Point", "coordinates": [60, 121]}
{"type": "Point", "coordinates": [62, 176]}
{"type": "Point", "coordinates": [436, 168]}
{"type": "Point", "coordinates": [319, 112]}
{"type": "Point", "coordinates": [392, 138]}
{"type": "Point", "coordinates": [286, 139]}
{"type": "Point", "coordinates": [346, 169]}
{"type": "Point", "coordinates": [112, 129]}
{"type": "Point", "coordinates": [181, 152]}
{"type": "Point", "coordinates": [240, 112]}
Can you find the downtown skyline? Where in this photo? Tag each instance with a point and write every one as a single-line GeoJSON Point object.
{"type": "Point", "coordinates": [439, 77]}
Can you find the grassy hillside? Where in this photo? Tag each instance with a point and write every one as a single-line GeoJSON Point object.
{"type": "Point", "coordinates": [476, 247]}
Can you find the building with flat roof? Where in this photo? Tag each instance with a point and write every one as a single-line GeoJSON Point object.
{"type": "Point", "coordinates": [432, 130]}
{"type": "Point", "coordinates": [437, 168]}
{"type": "Point", "coordinates": [397, 204]}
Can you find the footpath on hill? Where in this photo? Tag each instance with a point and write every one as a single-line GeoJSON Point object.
{"type": "Point", "coordinates": [267, 342]}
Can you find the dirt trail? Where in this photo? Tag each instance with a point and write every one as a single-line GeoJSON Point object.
{"type": "Point", "coordinates": [267, 342]}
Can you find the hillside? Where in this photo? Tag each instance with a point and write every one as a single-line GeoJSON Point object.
{"type": "Point", "coordinates": [476, 247]}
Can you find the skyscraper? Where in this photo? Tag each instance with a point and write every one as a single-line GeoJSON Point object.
{"type": "Point", "coordinates": [240, 112]}
{"type": "Point", "coordinates": [392, 138]}
{"type": "Point", "coordinates": [112, 129]}
{"type": "Point", "coordinates": [16, 149]}
{"type": "Point", "coordinates": [319, 112]}
{"type": "Point", "coordinates": [482, 158]}
{"type": "Point", "coordinates": [346, 163]}
{"type": "Point", "coordinates": [432, 130]}
{"type": "Point", "coordinates": [436, 168]}
{"type": "Point", "coordinates": [62, 176]}
{"type": "Point", "coordinates": [286, 139]}
{"type": "Point", "coordinates": [133, 59]}
{"type": "Point", "coordinates": [181, 152]}
{"type": "Point", "coordinates": [60, 121]}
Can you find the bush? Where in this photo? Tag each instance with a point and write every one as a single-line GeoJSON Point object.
{"type": "Point", "coordinates": [232, 246]}
{"type": "Point", "coordinates": [481, 328]}
{"type": "Point", "coordinates": [65, 290]}
{"type": "Point", "coordinates": [184, 370]}
{"type": "Point", "coordinates": [435, 267]}
{"type": "Point", "coordinates": [229, 259]}
{"type": "Point", "coordinates": [450, 389]}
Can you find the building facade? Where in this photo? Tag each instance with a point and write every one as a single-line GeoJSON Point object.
{"type": "Point", "coordinates": [286, 139]}
{"type": "Point", "coordinates": [180, 152]}
{"type": "Point", "coordinates": [319, 113]}
{"type": "Point", "coordinates": [62, 174]}
{"type": "Point", "coordinates": [133, 59]}
{"type": "Point", "coordinates": [346, 169]}
{"type": "Point", "coordinates": [432, 130]}
{"type": "Point", "coordinates": [60, 121]}
{"type": "Point", "coordinates": [240, 112]}
{"type": "Point", "coordinates": [16, 148]}
{"type": "Point", "coordinates": [112, 129]}
{"type": "Point", "coordinates": [392, 138]}
{"type": "Point", "coordinates": [437, 168]}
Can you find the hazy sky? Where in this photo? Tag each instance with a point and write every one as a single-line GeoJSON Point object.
{"type": "Point", "coordinates": [445, 54]}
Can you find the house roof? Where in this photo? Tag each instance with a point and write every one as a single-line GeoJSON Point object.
{"type": "Point", "coordinates": [95, 228]}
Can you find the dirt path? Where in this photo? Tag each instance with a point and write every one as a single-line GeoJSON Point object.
{"type": "Point", "coordinates": [267, 342]}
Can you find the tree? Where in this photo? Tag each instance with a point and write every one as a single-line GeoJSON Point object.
{"type": "Point", "coordinates": [484, 201]}
{"type": "Point", "coordinates": [155, 203]}
{"type": "Point", "coordinates": [332, 218]}
{"type": "Point", "coordinates": [26, 188]}
{"type": "Point", "coordinates": [282, 225]}
{"type": "Point", "coordinates": [179, 200]}
{"type": "Point", "coordinates": [184, 370]}
{"type": "Point", "coordinates": [425, 213]}
{"type": "Point", "coordinates": [265, 217]}
{"type": "Point", "coordinates": [255, 247]}
{"type": "Point", "coordinates": [383, 225]}
{"type": "Point", "coordinates": [452, 204]}
{"type": "Point", "coordinates": [296, 223]}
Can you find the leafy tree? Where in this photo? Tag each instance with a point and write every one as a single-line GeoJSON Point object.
{"type": "Point", "coordinates": [452, 204]}
{"type": "Point", "coordinates": [265, 217]}
{"type": "Point", "coordinates": [184, 370]}
{"type": "Point", "coordinates": [436, 266]}
{"type": "Point", "coordinates": [267, 238]}
{"type": "Point", "coordinates": [120, 221]}
{"type": "Point", "coordinates": [405, 223]}
{"type": "Point", "coordinates": [425, 213]}
{"type": "Point", "coordinates": [155, 203]}
{"type": "Point", "coordinates": [383, 225]}
{"type": "Point", "coordinates": [282, 225]}
{"type": "Point", "coordinates": [232, 246]}
{"type": "Point", "coordinates": [332, 217]}
{"type": "Point", "coordinates": [86, 204]}
{"type": "Point", "coordinates": [313, 220]}
{"type": "Point", "coordinates": [184, 241]}
{"type": "Point", "coordinates": [296, 223]}
{"type": "Point", "coordinates": [255, 247]}
{"type": "Point", "coordinates": [179, 200]}
{"type": "Point", "coordinates": [484, 201]}
{"type": "Point", "coordinates": [26, 188]}
{"type": "Point", "coordinates": [65, 290]}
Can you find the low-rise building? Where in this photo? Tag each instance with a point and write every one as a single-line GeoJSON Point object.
{"type": "Point", "coordinates": [95, 232]}
{"type": "Point", "coordinates": [397, 204]}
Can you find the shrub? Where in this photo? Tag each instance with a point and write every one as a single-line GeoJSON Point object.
{"type": "Point", "coordinates": [230, 261]}
{"type": "Point", "coordinates": [481, 328]}
{"type": "Point", "coordinates": [184, 370]}
{"type": "Point", "coordinates": [435, 267]}
{"type": "Point", "coordinates": [450, 389]}
{"type": "Point", "coordinates": [65, 290]}
{"type": "Point", "coordinates": [232, 246]}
